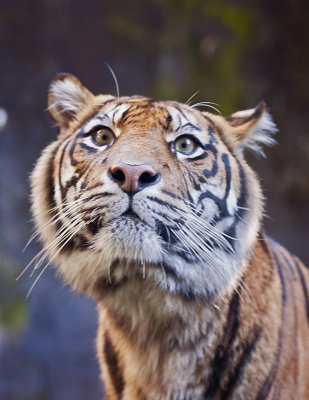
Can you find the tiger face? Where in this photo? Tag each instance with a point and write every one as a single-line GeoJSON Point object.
{"type": "Point", "coordinates": [154, 192]}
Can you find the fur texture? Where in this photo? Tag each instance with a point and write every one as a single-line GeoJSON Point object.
{"type": "Point", "coordinates": [151, 208]}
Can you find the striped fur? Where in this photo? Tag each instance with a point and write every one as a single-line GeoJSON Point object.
{"type": "Point", "coordinates": [162, 225]}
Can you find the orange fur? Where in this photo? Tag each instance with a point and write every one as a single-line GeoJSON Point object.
{"type": "Point", "coordinates": [161, 221]}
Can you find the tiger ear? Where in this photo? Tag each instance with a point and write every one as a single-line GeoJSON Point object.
{"type": "Point", "coordinates": [252, 129]}
{"type": "Point", "coordinates": [66, 97]}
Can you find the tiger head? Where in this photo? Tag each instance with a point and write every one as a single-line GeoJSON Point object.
{"type": "Point", "coordinates": [156, 192]}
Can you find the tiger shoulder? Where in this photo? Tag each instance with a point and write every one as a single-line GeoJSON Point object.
{"type": "Point", "coordinates": [151, 208]}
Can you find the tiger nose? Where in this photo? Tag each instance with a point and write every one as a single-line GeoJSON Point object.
{"type": "Point", "coordinates": [133, 178]}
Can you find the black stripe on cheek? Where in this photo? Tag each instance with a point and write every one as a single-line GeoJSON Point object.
{"type": "Point", "coordinates": [74, 162]}
{"type": "Point", "coordinates": [214, 169]}
{"type": "Point", "coordinates": [195, 184]}
{"type": "Point", "coordinates": [211, 135]}
{"type": "Point", "coordinates": [228, 174]}
{"type": "Point", "coordinates": [88, 148]}
{"type": "Point", "coordinates": [50, 180]}
{"type": "Point", "coordinates": [113, 366]}
{"type": "Point", "coordinates": [97, 195]}
{"type": "Point", "coordinates": [162, 203]}
{"type": "Point", "coordinates": [50, 186]}
{"type": "Point", "coordinates": [200, 157]}
{"type": "Point", "coordinates": [62, 188]}
{"type": "Point", "coordinates": [172, 195]}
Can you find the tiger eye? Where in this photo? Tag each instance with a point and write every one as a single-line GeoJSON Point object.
{"type": "Point", "coordinates": [103, 136]}
{"type": "Point", "coordinates": [185, 145]}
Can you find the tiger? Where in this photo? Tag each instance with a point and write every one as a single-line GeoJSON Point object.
{"type": "Point", "coordinates": [151, 208]}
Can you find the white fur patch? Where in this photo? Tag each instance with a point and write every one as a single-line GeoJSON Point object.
{"type": "Point", "coordinates": [260, 134]}
{"type": "Point", "coordinates": [67, 96]}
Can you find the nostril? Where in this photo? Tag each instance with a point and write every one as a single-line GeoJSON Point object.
{"type": "Point", "coordinates": [118, 175]}
{"type": "Point", "coordinates": [148, 178]}
{"type": "Point", "coordinates": [133, 178]}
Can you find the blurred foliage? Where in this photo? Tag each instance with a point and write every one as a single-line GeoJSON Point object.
{"type": "Point", "coordinates": [190, 38]}
{"type": "Point", "coordinates": [13, 314]}
{"type": "Point", "coordinates": [13, 306]}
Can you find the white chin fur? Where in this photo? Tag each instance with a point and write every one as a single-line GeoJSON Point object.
{"type": "Point", "coordinates": [123, 239]}
{"type": "Point", "coordinates": [126, 238]}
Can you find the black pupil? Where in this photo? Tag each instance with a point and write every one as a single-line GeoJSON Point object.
{"type": "Point", "coordinates": [105, 136]}
{"type": "Point", "coordinates": [185, 143]}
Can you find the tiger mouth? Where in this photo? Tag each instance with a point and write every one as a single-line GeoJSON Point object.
{"type": "Point", "coordinates": [130, 213]}
{"type": "Point", "coordinates": [160, 229]}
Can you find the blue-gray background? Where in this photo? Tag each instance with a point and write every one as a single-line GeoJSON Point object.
{"type": "Point", "coordinates": [235, 52]}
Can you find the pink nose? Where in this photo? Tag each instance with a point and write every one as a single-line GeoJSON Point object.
{"type": "Point", "coordinates": [133, 178]}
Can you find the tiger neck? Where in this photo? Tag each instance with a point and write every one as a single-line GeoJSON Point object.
{"type": "Point", "coordinates": [187, 349]}
{"type": "Point", "coordinates": [160, 351]}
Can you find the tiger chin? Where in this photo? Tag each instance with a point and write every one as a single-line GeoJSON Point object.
{"type": "Point", "coordinates": [150, 207]}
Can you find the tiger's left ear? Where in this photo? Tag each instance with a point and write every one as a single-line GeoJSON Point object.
{"type": "Point", "coordinates": [252, 129]}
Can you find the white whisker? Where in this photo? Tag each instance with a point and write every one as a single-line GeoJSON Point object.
{"type": "Point", "coordinates": [144, 269]}
{"type": "Point", "coordinates": [63, 235]}
{"type": "Point", "coordinates": [50, 249]}
{"type": "Point", "coordinates": [114, 77]}
{"type": "Point", "coordinates": [52, 258]}
{"type": "Point", "coordinates": [36, 280]}
{"type": "Point", "coordinates": [67, 211]}
{"type": "Point", "coordinates": [246, 289]}
{"type": "Point", "coordinates": [191, 97]}
{"type": "Point", "coordinates": [163, 273]}
{"type": "Point", "coordinates": [201, 227]}
{"type": "Point", "coordinates": [244, 208]}
{"type": "Point", "coordinates": [207, 104]}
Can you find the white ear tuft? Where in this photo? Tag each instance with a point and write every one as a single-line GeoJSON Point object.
{"type": "Point", "coordinates": [66, 97]}
{"type": "Point", "coordinates": [260, 135]}
{"type": "Point", "coordinates": [252, 129]}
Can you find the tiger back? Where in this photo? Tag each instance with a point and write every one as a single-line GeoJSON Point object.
{"type": "Point", "coordinates": [150, 207]}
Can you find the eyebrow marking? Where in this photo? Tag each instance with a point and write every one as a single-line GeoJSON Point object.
{"type": "Point", "coordinates": [179, 123]}
{"type": "Point", "coordinates": [113, 117]}
{"type": "Point", "coordinates": [119, 111]}
{"type": "Point", "coordinates": [103, 116]}
{"type": "Point", "coordinates": [98, 120]}
{"type": "Point", "coordinates": [194, 127]}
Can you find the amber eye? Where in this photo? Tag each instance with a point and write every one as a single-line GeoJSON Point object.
{"type": "Point", "coordinates": [185, 144]}
{"type": "Point", "coordinates": [103, 136]}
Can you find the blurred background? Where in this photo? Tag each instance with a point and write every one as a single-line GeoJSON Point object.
{"type": "Point", "coordinates": [234, 52]}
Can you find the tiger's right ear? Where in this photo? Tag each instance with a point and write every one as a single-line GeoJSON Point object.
{"type": "Point", "coordinates": [66, 97]}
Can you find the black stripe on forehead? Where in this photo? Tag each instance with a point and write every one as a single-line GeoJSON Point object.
{"type": "Point", "coordinates": [180, 114]}
{"type": "Point", "coordinates": [146, 112]}
{"type": "Point", "coordinates": [191, 126]}
{"type": "Point", "coordinates": [183, 120]}
{"type": "Point", "coordinates": [139, 109]}
{"type": "Point", "coordinates": [101, 114]}
{"type": "Point", "coordinates": [133, 112]}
